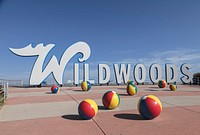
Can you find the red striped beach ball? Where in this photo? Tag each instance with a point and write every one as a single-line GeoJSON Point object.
{"type": "Point", "coordinates": [172, 87]}
{"type": "Point", "coordinates": [162, 84]}
{"type": "Point", "coordinates": [87, 109]}
{"type": "Point", "coordinates": [55, 89]}
{"type": "Point", "coordinates": [149, 106]}
{"type": "Point", "coordinates": [111, 100]}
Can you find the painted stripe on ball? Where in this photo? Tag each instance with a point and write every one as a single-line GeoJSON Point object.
{"type": "Point", "coordinates": [88, 85]}
{"type": "Point", "coordinates": [84, 86]}
{"type": "Point", "coordinates": [144, 110]}
{"type": "Point", "coordinates": [107, 97]}
{"type": "Point", "coordinates": [93, 104]}
{"type": "Point", "coordinates": [172, 87]}
{"type": "Point", "coordinates": [132, 90]}
{"type": "Point", "coordinates": [115, 101]}
{"type": "Point", "coordinates": [153, 107]}
{"type": "Point", "coordinates": [156, 99]}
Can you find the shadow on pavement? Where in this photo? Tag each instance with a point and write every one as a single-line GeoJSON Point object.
{"type": "Point", "coordinates": [72, 117]}
{"type": "Point", "coordinates": [156, 87]}
{"type": "Point", "coordinates": [151, 90]}
{"type": "Point", "coordinates": [100, 107]}
{"type": "Point", "coordinates": [49, 93]}
{"type": "Point", "coordinates": [166, 90]}
{"type": "Point", "coordinates": [79, 91]}
{"type": "Point", "coordinates": [124, 94]}
{"type": "Point", "coordinates": [129, 116]}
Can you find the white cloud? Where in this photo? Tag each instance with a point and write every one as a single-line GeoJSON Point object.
{"type": "Point", "coordinates": [179, 55]}
{"type": "Point", "coordinates": [176, 56]}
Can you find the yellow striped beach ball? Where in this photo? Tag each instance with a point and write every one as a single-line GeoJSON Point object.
{"type": "Point", "coordinates": [131, 89]}
{"type": "Point", "coordinates": [172, 87]}
{"type": "Point", "coordinates": [85, 85]}
{"type": "Point", "coordinates": [111, 100]}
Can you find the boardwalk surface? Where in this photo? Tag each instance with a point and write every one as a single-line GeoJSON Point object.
{"type": "Point", "coordinates": [35, 111]}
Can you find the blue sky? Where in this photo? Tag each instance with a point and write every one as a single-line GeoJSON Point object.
{"type": "Point", "coordinates": [118, 31]}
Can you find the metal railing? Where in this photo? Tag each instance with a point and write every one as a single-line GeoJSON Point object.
{"type": "Point", "coordinates": [3, 92]}
{"type": "Point", "coordinates": [15, 82]}
{"type": "Point", "coordinates": [196, 80]}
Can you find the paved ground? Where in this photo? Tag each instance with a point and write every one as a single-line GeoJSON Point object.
{"type": "Point", "coordinates": [35, 111]}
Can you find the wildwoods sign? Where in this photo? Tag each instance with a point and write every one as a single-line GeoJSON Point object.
{"type": "Point", "coordinates": [122, 71]}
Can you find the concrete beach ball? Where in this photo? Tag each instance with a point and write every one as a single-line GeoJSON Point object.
{"type": "Point", "coordinates": [111, 100]}
{"type": "Point", "coordinates": [149, 106]}
{"type": "Point", "coordinates": [172, 87]}
{"type": "Point", "coordinates": [87, 109]}
{"type": "Point", "coordinates": [55, 89]}
{"type": "Point", "coordinates": [131, 89]}
{"type": "Point", "coordinates": [85, 85]}
{"type": "Point", "coordinates": [162, 84]}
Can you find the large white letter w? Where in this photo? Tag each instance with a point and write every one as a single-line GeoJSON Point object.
{"type": "Point", "coordinates": [38, 73]}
